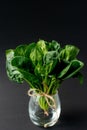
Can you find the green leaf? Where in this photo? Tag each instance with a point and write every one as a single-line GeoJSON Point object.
{"type": "Point", "coordinates": [21, 62]}
{"type": "Point", "coordinates": [49, 61]}
{"type": "Point", "coordinates": [52, 46]}
{"type": "Point", "coordinates": [41, 46]}
{"type": "Point", "coordinates": [20, 50]}
{"type": "Point", "coordinates": [68, 53]}
{"type": "Point", "coordinates": [79, 76]}
{"type": "Point", "coordinates": [36, 56]}
{"type": "Point", "coordinates": [12, 72]}
{"type": "Point", "coordinates": [44, 66]}
{"type": "Point", "coordinates": [71, 69]}
{"type": "Point", "coordinates": [43, 61]}
{"type": "Point", "coordinates": [64, 71]}
{"type": "Point", "coordinates": [29, 49]}
{"type": "Point", "coordinates": [31, 79]}
{"type": "Point", "coordinates": [24, 50]}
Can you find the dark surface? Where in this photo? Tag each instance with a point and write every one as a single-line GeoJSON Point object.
{"type": "Point", "coordinates": [25, 22]}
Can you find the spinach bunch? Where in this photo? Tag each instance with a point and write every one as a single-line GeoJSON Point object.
{"type": "Point", "coordinates": [43, 65]}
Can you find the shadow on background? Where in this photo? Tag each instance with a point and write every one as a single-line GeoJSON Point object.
{"type": "Point", "coordinates": [76, 120]}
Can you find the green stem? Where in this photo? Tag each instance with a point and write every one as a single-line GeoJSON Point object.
{"type": "Point", "coordinates": [29, 83]}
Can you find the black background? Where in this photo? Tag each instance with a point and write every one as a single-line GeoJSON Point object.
{"type": "Point", "coordinates": [27, 21]}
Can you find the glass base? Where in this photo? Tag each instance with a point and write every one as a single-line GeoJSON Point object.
{"type": "Point", "coordinates": [41, 118]}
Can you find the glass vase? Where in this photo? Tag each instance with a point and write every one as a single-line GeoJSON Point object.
{"type": "Point", "coordinates": [39, 117]}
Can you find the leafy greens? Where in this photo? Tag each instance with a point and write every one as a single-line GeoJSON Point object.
{"type": "Point", "coordinates": [43, 65]}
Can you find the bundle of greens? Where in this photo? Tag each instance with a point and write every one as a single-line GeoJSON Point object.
{"type": "Point", "coordinates": [44, 66]}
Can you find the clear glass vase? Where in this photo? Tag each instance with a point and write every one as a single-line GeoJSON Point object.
{"type": "Point", "coordinates": [37, 115]}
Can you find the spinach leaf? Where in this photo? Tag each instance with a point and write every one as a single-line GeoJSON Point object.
{"type": "Point", "coordinates": [12, 72]}
{"type": "Point", "coordinates": [52, 46]}
{"type": "Point", "coordinates": [49, 61]}
{"type": "Point", "coordinates": [43, 61]}
{"type": "Point", "coordinates": [36, 56]}
{"type": "Point", "coordinates": [44, 66]}
{"type": "Point", "coordinates": [71, 69]}
{"type": "Point", "coordinates": [68, 53]}
{"type": "Point", "coordinates": [31, 79]}
{"type": "Point", "coordinates": [22, 65]}
{"type": "Point", "coordinates": [20, 50]}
